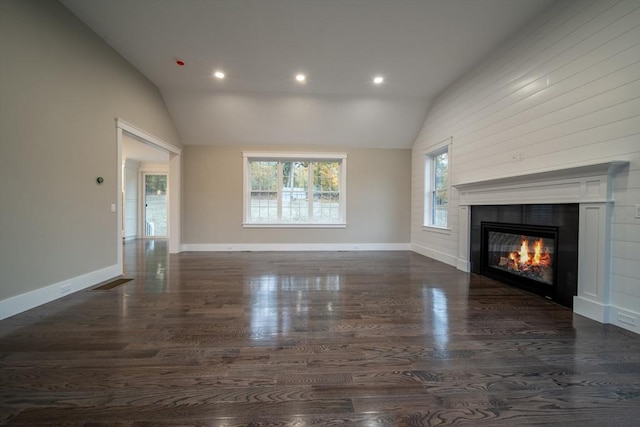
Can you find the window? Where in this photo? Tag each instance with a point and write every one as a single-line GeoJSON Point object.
{"type": "Point", "coordinates": [437, 186]}
{"type": "Point", "coordinates": [306, 190]}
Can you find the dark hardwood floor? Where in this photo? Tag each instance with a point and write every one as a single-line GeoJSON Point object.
{"type": "Point", "coordinates": [318, 338]}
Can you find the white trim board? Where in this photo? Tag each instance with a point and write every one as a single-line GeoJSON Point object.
{"type": "Point", "coordinates": [433, 254]}
{"type": "Point", "coordinates": [294, 155]}
{"type": "Point", "coordinates": [147, 137]}
{"type": "Point", "coordinates": [289, 247]}
{"type": "Point", "coordinates": [607, 313]}
{"type": "Point", "coordinates": [23, 302]}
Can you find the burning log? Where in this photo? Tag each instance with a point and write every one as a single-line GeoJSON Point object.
{"type": "Point", "coordinates": [535, 265]}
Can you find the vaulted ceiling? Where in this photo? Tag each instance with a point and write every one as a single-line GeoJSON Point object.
{"type": "Point", "coordinates": [420, 47]}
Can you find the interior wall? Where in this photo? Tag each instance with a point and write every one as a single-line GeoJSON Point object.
{"type": "Point", "coordinates": [378, 198]}
{"type": "Point", "coordinates": [62, 87]}
{"type": "Point", "coordinates": [130, 206]}
{"type": "Point", "coordinates": [564, 91]}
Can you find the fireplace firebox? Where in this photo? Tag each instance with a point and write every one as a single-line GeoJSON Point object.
{"type": "Point", "coordinates": [521, 255]}
{"type": "Point", "coordinates": [533, 247]}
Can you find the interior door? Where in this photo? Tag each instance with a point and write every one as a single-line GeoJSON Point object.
{"type": "Point", "coordinates": [155, 205]}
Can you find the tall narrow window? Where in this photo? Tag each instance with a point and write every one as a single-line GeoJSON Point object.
{"type": "Point", "coordinates": [295, 189]}
{"type": "Point", "coordinates": [437, 194]}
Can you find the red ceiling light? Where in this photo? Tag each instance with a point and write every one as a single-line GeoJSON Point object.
{"type": "Point", "coordinates": [180, 63]}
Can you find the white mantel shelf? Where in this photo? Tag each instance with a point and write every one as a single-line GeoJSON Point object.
{"type": "Point", "coordinates": [590, 186]}
{"type": "Point", "coordinates": [576, 184]}
{"type": "Point", "coordinates": [582, 170]}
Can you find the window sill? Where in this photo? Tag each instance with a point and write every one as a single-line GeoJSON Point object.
{"type": "Point", "coordinates": [252, 225]}
{"type": "Point", "coordinates": [434, 229]}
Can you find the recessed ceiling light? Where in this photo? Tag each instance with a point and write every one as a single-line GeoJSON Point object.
{"type": "Point", "coordinates": [301, 78]}
{"type": "Point", "coordinates": [218, 74]}
{"type": "Point", "coordinates": [378, 80]}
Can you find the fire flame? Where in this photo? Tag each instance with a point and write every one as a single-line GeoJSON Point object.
{"type": "Point", "coordinates": [523, 258]}
{"type": "Point", "coordinates": [537, 247]}
{"type": "Point", "coordinates": [524, 252]}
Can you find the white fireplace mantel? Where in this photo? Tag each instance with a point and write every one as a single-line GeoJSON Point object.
{"type": "Point", "coordinates": [590, 186]}
{"type": "Point", "coordinates": [578, 184]}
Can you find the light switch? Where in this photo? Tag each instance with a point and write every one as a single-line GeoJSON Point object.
{"type": "Point", "coordinates": [113, 207]}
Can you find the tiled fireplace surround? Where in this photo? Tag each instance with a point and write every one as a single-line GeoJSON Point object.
{"type": "Point", "coordinates": [588, 185]}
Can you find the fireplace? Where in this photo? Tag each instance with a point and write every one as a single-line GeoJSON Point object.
{"type": "Point", "coordinates": [521, 255]}
{"type": "Point", "coordinates": [586, 187]}
{"type": "Point", "coordinates": [532, 247]}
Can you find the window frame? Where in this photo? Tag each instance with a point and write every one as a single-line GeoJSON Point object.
{"type": "Point", "coordinates": [281, 157]}
{"type": "Point", "coordinates": [429, 187]}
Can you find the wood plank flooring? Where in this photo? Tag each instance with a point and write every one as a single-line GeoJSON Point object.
{"type": "Point", "coordinates": [317, 338]}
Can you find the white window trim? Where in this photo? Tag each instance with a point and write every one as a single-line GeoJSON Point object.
{"type": "Point", "coordinates": [436, 229]}
{"type": "Point", "coordinates": [273, 155]}
{"type": "Point", "coordinates": [427, 221]}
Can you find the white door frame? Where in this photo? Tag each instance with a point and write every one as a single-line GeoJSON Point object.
{"type": "Point", "coordinates": [175, 173]}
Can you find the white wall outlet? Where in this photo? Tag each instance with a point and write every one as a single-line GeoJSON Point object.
{"type": "Point", "coordinates": [65, 288]}
{"type": "Point", "coordinates": [113, 207]}
{"type": "Point", "coordinates": [517, 156]}
{"type": "Point", "coordinates": [637, 211]}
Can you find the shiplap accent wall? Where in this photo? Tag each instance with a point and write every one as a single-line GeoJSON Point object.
{"type": "Point", "coordinates": [564, 91]}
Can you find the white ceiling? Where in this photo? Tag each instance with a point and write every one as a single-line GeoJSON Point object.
{"type": "Point", "coordinates": [420, 46]}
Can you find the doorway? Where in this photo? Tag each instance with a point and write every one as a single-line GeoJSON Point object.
{"type": "Point", "coordinates": [172, 192]}
{"type": "Point", "coordinates": [156, 218]}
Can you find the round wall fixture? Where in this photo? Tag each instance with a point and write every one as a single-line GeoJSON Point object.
{"type": "Point", "coordinates": [99, 180]}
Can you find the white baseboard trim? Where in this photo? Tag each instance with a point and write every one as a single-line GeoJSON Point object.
{"type": "Point", "coordinates": [23, 302]}
{"type": "Point", "coordinates": [591, 309]}
{"type": "Point", "coordinates": [288, 247]}
{"type": "Point", "coordinates": [607, 313]}
{"type": "Point", "coordinates": [437, 255]}
{"type": "Point", "coordinates": [463, 265]}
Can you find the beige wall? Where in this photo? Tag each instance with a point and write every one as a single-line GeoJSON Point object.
{"type": "Point", "coordinates": [62, 87]}
{"type": "Point", "coordinates": [378, 198]}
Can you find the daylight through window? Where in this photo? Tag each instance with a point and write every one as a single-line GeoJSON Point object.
{"type": "Point", "coordinates": [437, 197]}
{"type": "Point", "coordinates": [294, 190]}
